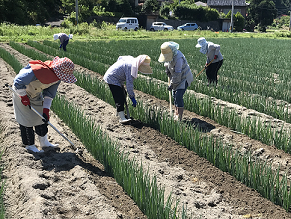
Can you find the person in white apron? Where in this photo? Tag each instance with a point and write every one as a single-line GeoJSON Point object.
{"type": "Point", "coordinates": [125, 69]}
{"type": "Point", "coordinates": [179, 72]}
{"type": "Point", "coordinates": [37, 84]}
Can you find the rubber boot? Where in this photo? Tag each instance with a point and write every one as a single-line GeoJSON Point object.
{"type": "Point", "coordinates": [176, 115]}
{"type": "Point", "coordinates": [43, 141]}
{"type": "Point", "coordinates": [180, 112]}
{"type": "Point", "coordinates": [122, 117]}
{"type": "Point", "coordinates": [33, 148]}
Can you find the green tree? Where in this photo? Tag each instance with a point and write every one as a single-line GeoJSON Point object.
{"type": "Point", "coordinates": [238, 21]}
{"type": "Point", "coordinates": [150, 6]}
{"type": "Point", "coordinates": [262, 13]}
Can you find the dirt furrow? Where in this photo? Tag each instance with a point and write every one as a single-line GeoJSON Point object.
{"type": "Point", "coordinates": [208, 191]}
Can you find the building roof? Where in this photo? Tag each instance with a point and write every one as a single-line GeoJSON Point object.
{"type": "Point", "coordinates": [201, 4]}
{"type": "Point", "coordinates": [226, 3]}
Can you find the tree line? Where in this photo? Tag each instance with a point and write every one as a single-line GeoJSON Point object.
{"type": "Point", "coordinates": [23, 12]}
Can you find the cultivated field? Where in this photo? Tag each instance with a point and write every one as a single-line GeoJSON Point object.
{"type": "Point", "coordinates": [228, 158]}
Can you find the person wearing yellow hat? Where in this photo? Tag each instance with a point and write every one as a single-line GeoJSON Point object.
{"type": "Point", "coordinates": [214, 58]}
{"type": "Point", "coordinates": [37, 84]}
{"type": "Point", "coordinates": [64, 39]}
{"type": "Point", "coordinates": [125, 69]}
{"type": "Point", "coordinates": [179, 73]}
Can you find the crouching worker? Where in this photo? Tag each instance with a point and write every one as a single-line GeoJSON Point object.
{"type": "Point", "coordinates": [179, 73]}
{"type": "Point", "coordinates": [214, 58]}
{"type": "Point", "coordinates": [37, 84]}
{"type": "Point", "coordinates": [64, 39]}
{"type": "Point", "coordinates": [125, 70]}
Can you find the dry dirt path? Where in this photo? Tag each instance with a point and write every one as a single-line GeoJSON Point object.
{"type": "Point", "coordinates": [58, 178]}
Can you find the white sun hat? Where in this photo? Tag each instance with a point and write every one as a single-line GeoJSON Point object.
{"type": "Point", "coordinates": [56, 36]}
{"type": "Point", "coordinates": [201, 42]}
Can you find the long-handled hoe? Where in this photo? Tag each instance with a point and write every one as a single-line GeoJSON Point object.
{"type": "Point", "coordinates": [170, 98]}
{"type": "Point", "coordinates": [204, 68]}
{"type": "Point", "coordinates": [34, 110]}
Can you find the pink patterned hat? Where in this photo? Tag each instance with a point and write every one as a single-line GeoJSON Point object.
{"type": "Point", "coordinates": [64, 68]}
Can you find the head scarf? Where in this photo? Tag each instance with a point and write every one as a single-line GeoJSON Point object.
{"type": "Point", "coordinates": [64, 68]}
{"type": "Point", "coordinates": [166, 55]}
{"type": "Point", "coordinates": [203, 44]}
{"type": "Point", "coordinates": [136, 63]}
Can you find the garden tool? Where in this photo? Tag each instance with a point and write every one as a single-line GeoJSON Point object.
{"type": "Point", "coordinates": [204, 68]}
{"type": "Point", "coordinates": [170, 98]}
{"type": "Point", "coordinates": [34, 110]}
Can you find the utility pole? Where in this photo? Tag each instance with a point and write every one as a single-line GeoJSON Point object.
{"type": "Point", "coordinates": [231, 20]}
{"type": "Point", "coordinates": [77, 12]}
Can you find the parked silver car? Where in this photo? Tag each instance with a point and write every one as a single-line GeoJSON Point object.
{"type": "Point", "coordinates": [160, 26]}
{"type": "Point", "coordinates": [188, 26]}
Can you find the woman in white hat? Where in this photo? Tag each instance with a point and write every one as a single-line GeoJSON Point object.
{"type": "Point", "coordinates": [179, 73]}
{"type": "Point", "coordinates": [125, 70]}
{"type": "Point", "coordinates": [37, 84]}
{"type": "Point", "coordinates": [212, 51]}
{"type": "Point", "coordinates": [64, 39]}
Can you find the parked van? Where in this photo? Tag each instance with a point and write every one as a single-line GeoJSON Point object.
{"type": "Point", "coordinates": [127, 23]}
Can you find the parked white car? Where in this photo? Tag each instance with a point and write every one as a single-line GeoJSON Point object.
{"type": "Point", "coordinates": [127, 23]}
{"type": "Point", "coordinates": [160, 26]}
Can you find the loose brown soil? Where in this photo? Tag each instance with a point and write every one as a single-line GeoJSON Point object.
{"type": "Point", "coordinates": [70, 183]}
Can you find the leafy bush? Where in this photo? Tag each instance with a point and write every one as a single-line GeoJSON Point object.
{"type": "Point", "coordinates": [192, 12]}
{"type": "Point", "coordinates": [238, 21]}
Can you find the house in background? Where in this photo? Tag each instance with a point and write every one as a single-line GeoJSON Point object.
{"type": "Point", "coordinates": [226, 5]}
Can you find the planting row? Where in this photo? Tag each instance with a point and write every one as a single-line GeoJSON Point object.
{"type": "Point", "coordinates": [252, 127]}
{"type": "Point", "coordinates": [253, 173]}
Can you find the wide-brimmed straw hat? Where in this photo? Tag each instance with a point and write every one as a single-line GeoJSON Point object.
{"type": "Point", "coordinates": [64, 68]}
{"type": "Point", "coordinates": [166, 53]}
{"type": "Point", "coordinates": [56, 36]}
{"type": "Point", "coordinates": [201, 42]}
{"type": "Point", "coordinates": [145, 67]}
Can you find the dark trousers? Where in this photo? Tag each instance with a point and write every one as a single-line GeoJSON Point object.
{"type": "Point", "coordinates": [118, 94]}
{"type": "Point", "coordinates": [211, 71]}
{"type": "Point", "coordinates": [64, 45]}
{"type": "Point", "coordinates": [27, 133]}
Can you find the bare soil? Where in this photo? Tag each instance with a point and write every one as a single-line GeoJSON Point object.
{"type": "Point", "coordinates": [70, 183]}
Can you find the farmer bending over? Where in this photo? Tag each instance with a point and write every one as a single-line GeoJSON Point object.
{"type": "Point", "coordinates": [179, 73]}
{"type": "Point", "coordinates": [212, 51]}
{"type": "Point", "coordinates": [37, 84]}
{"type": "Point", "coordinates": [125, 70]}
{"type": "Point", "coordinates": [64, 39]}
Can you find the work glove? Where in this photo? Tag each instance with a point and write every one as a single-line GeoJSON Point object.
{"type": "Point", "coordinates": [170, 88]}
{"type": "Point", "coordinates": [168, 72]}
{"type": "Point", "coordinates": [215, 57]}
{"type": "Point", "coordinates": [25, 100]}
{"type": "Point", "coordinates": [46, 115]}
{"type": "Point", "coordinates": [133, 101]}
{"type": "Point", "coordinates": [206, 66]}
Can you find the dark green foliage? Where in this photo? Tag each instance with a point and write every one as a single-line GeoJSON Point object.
{"type": "Point", "coordinates": [28, 12]}
{"type": "Point", "coordinates": [262, 13]}
{"type": "Point", "coordinates": [192, 12]}
{"type": "Point", "coordinates": [150, 6]}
